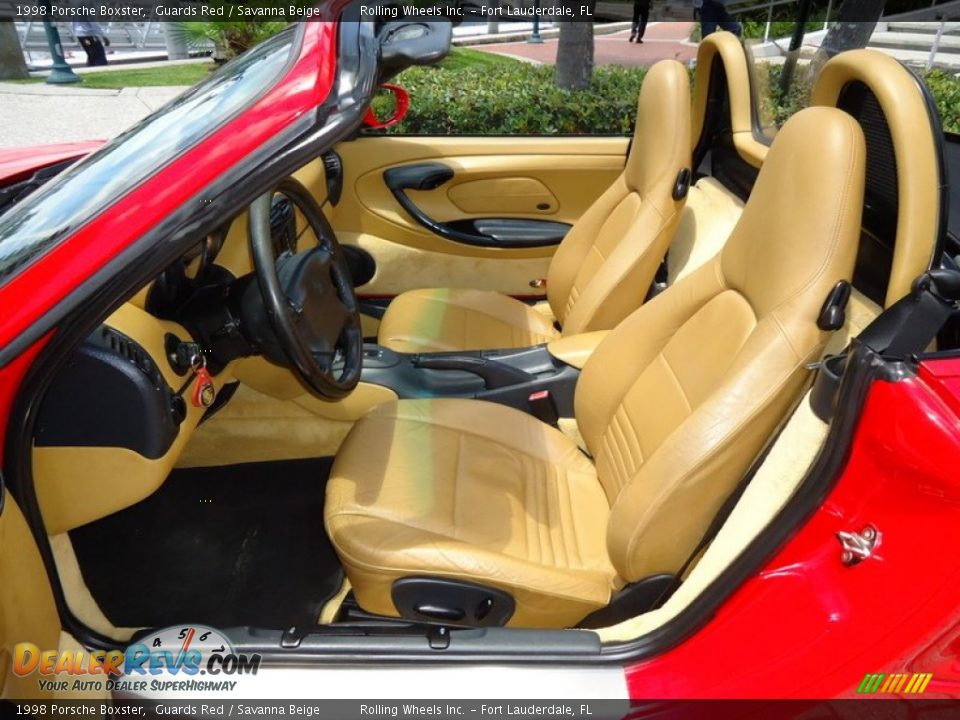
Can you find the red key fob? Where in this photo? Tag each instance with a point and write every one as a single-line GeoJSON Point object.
{"type": "Point", "coordinates": [204, 393]}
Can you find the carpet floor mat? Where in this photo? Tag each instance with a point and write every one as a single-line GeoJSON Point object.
{"type": "Point", "coordinates": [225, 546]}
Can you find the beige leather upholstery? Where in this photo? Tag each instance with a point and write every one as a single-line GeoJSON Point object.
{"type": "Point", "coordinates": [475, 491]}
{"type": "Point", "coordinates": [912, 134]}
{"type": "Point", "coordinates": [708, 218]}
{"type": "Point", "coordinates": [602, 269]}
{"type": "Point", "coordinates": [454, 319]}
{"type": "Point", "coordinates": [673, 405]}
{"type": "Point", "coordinates": [575, 350]}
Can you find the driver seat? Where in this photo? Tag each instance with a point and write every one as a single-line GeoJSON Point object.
{"type": "Point", "coordinates": [674, 406]}
{"type": "Point", "coordinates": [605, 265]}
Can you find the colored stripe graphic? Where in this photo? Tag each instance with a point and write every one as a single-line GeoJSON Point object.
{"type": "Point", "coordinates": [908, 683]}
{"type": "Point", "coordinates": [870, 683]}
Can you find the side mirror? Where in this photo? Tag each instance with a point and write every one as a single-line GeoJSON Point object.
{"type": "Point", "coordinates": [401, 105]}
{"type": "Point", "coordinates": [404, 44]}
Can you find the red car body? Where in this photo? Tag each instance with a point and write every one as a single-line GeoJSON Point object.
{"type": "Point", "coordinates": [15, 163]}
{"type": "Point", "coordinates": [806, 625]}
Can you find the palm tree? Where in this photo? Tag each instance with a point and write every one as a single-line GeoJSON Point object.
{"type": "Point", "coordinates": [12, 66]}
{"type": "Point", "coordinates": [229, 38]}
{"type": "Point", "coordinates": [574, 69]}
{"type": "Point", "coordinates": [854, 26]}
{"type": "Point", "coordinates": [176, 40]}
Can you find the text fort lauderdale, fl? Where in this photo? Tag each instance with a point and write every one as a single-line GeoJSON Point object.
{"type": "Point", "coordinates": [493, 10]}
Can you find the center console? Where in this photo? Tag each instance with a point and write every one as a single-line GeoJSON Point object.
{"type": "Point", "coordinates": [529, 379]}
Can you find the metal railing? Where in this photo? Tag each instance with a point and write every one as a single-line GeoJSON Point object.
{"type": "Point", "coordinates": [148, 35]}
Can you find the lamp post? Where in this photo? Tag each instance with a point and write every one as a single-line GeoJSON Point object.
{"type": "Point", "coordinates": [535, 38]}
{"type": "Point", "coordinates": [60, 73]}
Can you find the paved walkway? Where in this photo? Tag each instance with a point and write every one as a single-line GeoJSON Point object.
{"type": "Point", "coordinates": [40, 114]}
{"type": "Point", "coordinates": [662, 40]}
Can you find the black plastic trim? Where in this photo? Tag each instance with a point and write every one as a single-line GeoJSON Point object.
{"type": "Point", "coordinates": [110, 393]}
{"type": "Point", "coordinates": [632, 600]}
{"type": "Point", "coordinates": [333, 168]}
{"type": "Point", "coordinates": [451, 601]}
{"type": "Point", "coordinates": [939, 137]}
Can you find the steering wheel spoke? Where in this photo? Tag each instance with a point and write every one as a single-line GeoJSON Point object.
{"type": "Point", "coordinates": [308, 296]}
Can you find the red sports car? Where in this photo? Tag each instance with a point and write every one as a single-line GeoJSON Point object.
{"type": "Point", "coordinates": [529, 417]}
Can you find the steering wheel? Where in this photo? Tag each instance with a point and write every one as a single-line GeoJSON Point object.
{"type": "Point", "coordinates": [307, 296]}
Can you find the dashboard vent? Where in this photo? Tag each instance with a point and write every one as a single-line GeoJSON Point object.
{"type": "Point", "coordinates": [333, 166]}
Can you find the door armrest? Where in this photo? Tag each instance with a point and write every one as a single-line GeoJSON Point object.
{"type": "Point", "coordinates": [575, 350]}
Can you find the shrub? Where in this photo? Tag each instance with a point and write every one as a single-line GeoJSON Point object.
{"type": "Point", "coordinates": [521, 99]}
{"type": "Point", "coordinates": [946, 92]}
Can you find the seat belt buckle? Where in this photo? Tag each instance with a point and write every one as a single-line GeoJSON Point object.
{"type": "Point", "coordinates": [543, 407]}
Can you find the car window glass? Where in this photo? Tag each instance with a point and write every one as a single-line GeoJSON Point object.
{"type": "Point", "coordinates": [32, 226]}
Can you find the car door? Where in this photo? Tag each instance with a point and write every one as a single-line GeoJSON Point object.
{"type": "Point", "coordinates": [478, 212]}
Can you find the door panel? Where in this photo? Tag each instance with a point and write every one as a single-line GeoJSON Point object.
{"type": "Point", "coordinates": [547, 179]}
{"type": "Point", "coordinates": [523, 196]}
{"type": "Point", "coordinates": [27, 610]}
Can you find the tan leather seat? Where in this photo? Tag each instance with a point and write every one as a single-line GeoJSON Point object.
{"type": "Point", "coordinates": [673, 405]}
{"type": "Point", "coordinates": [603, 268]}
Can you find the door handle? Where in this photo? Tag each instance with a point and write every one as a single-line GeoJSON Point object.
{"type": "Point", "coordinates": [432, 175]}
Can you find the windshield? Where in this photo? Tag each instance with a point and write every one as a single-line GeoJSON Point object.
{"type": "Point", "coordinates": [39, 222]}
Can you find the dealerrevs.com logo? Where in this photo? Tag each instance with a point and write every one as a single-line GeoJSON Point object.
{"type": "Point", "coordinates": [176, 659]}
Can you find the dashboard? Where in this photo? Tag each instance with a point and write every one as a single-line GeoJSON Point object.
{"type": "Point", "coordinates": [124, 406]}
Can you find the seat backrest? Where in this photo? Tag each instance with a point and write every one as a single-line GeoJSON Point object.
{"type": "Point", "coordinates": [905, 204]}
{"type": "Point", "coordinates": [606, 264]}
{"type": "Point", "coordinates": [679, 399]}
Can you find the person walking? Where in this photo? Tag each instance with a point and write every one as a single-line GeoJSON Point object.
{"type": "Point", "coordinates": [89, 33]}
{"type": "Point", "coordinates": [641, 13]}
{"type": "Point", "coordinates": [714, 16]}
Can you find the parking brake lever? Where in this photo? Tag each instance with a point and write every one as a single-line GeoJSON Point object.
{"type": "Point", "coordinates": [495, 374]}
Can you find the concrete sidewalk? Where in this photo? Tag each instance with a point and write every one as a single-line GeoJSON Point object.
{"type": "Point", "coordinates": [662, 40]}
{"type": "Point", "coordinates": [41, 114]}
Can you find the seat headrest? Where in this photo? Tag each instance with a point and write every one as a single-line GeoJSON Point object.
{"type": "Point", "coordinates": [906, 217]}
{"type": "Point", "coordinates": [662, 129]}
{"type": "Point", "coordinates": [802, 220]}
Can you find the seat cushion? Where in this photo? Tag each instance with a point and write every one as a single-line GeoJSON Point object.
{"type": "Point", "coordinates": [474, 491]}
{"type": "Point", "coordinates": [448, 319]}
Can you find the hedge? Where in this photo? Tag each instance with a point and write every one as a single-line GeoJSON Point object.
{"type": "Point", "coordinates": [521, 99]}
{"type": "Point", "coordinates": [518, 99]}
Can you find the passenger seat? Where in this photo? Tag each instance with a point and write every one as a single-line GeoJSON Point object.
{"type": "Point", "coordinates": [604, 267]}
